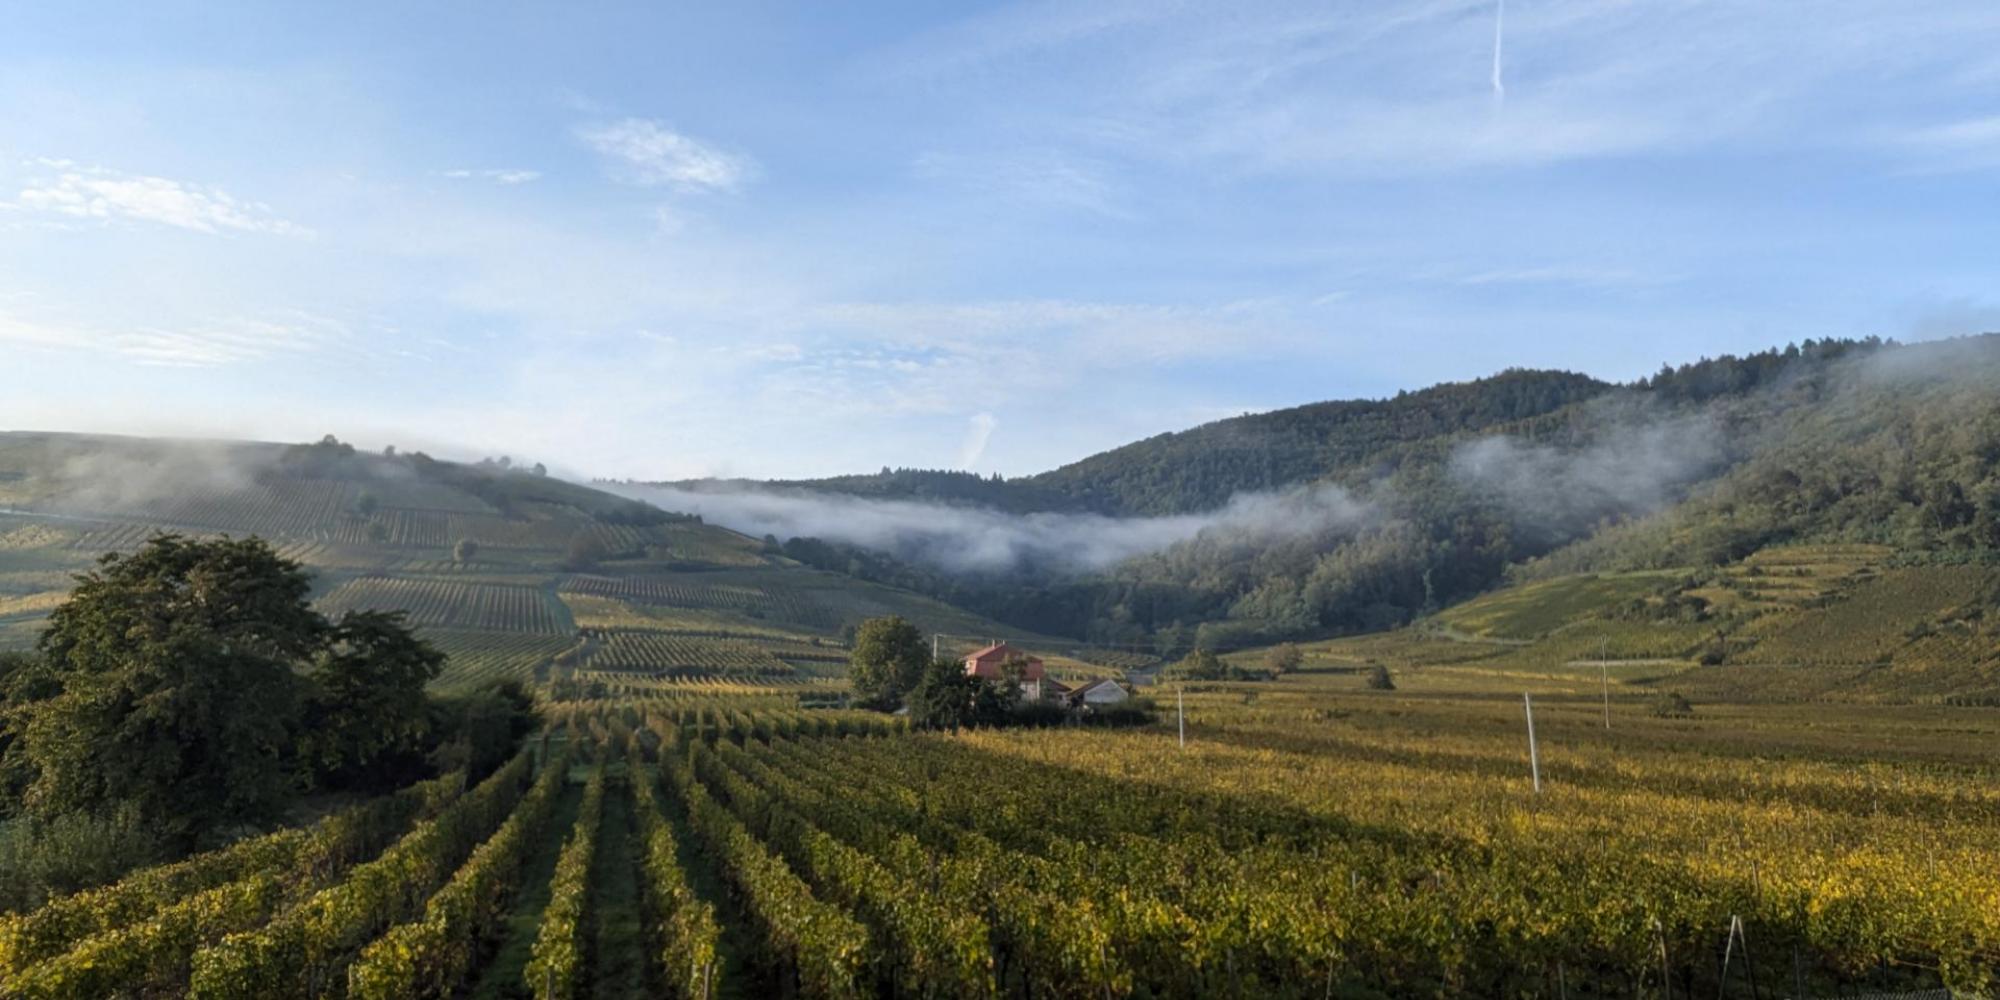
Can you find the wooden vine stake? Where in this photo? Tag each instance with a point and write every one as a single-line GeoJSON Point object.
{"type": "Point", "coordinates": [1666, 966]}
{"type": "Point", "coordinates": [1534, 752]}
{"type": "Point", "coordinates": [1729, 948]}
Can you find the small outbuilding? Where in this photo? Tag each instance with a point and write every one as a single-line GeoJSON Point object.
{"type": "Point", "coordinates": [1103, 691]}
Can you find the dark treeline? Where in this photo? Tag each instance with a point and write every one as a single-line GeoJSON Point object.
{"type": "Point", "coordinates": [1200, 469]}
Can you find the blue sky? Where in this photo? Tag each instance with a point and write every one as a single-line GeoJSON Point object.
{"type": "Point", "coordinates": [784, 240]}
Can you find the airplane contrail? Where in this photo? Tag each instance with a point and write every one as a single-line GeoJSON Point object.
{"type": "Point", "coordinates": [1499, 23]}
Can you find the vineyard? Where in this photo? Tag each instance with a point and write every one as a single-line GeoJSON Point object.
{"type": "Point", "coordinates": [1874, 619]}
{"type": "Point", "coordinates": [672, 592]}
{"type": "Point", "coordinates": [699, 817]}
{"type": "Point", "coordinates": [718, 840]}
{"type": "Point", "coordinates": [453, 604]}
{"type": "Point", "coordinates": [673, 654]}
{"type": "Point", "coordinates": [479, 657]}
{"type": "Point", "coordinates": [395, 527]}
{"type": "Point", "coordinates": [506, 570]}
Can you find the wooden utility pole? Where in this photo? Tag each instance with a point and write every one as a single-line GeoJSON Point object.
{"type": "Point", "coordinates": [1534, 753]}
{"type": "Point", "coordinates": [1180, 704]}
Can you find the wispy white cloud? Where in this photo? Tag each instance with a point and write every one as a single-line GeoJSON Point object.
{"type": "Point", "coordinates": [1572, 276]}
{"type": "Point", "coordinates": [1970, 144]}
{"type": "Point", "coordinates": [93, 192]}
{"type": "Point", "coordinates": [227, 343]}
{"type": "Point", "coordinates": [507, 176]}
{"type": "Point", "coordinates": [1014, 31]}
{"type": "Point", "coordinates": [647, 152]}
{"type": "Point", "coordinates": [1041, 177]}
{"type": "Point", "coordinates": [204, 345]}
{"type": "Point", "coordinates": [1352, 86]}
{"type": "Point", "coordinates": [1077, 332]}
{"type": "Point", "coordinates": [24, 332]}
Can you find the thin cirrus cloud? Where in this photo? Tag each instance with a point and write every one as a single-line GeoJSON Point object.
{"type": "Point", "coordinates": [1581, 277]}
{"type": "Point", "coordinates": [206, 344]}
{"type": "Point", "coordinates": [1042, 177]}
{"type": "Point", "coordinates": [648, 153]}
{"type": "Point", "coordinates": [508, 176]}
{"type": "Point", "coordinates": [95, 192]}
{"type": "Point", "coordinates": [233, 342]}
{"type": "Point", "coordinates": [1343, 87]}
{"type": "Point", "coordinates": [1972, 144]}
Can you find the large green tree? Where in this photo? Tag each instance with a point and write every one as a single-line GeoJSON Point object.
{"type": "Point", "coordinates": [24, 680]}
{"type": "Point", "coordinates": [177, 686]}
{"type": "Point", "coordinates": [943, 697]}
{"type": "Point", "coordinates": [888, 658]}
{"type": "Point", "coordinates": [946, 697]}
{"type": "Point", "coordinates": [366, 719]}
{"type": "Point", "coordinates": [192, 683]}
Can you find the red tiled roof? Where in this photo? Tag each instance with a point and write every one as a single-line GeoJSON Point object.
{"type": "Point", "coordinates": [987, 662]}
{"type": "Point", "coordinates": [998, 650]}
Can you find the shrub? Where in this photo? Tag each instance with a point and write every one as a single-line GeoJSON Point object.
{"type": "Point", "coordinates": [1673, 705]}
{"type": "Point", "coordinates": [41, 859]}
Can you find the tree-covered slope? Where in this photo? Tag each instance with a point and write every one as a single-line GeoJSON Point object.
{"type": "Point", "coordinates": [1459, 489]}
{"type": "Point", "coordinates": [1901, 448]}
{"type": "Point", "coordinates": [1202, 468]}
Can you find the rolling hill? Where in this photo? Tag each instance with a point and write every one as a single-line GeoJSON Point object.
{"type": "Point", "coordinates": [513, 574]}
{"type": "Point", "coordinates": [1202, 468]}
{"type": "Point", "coordinates": [1816, 521]}
{"type": "Point", "coordinates": [1830, 507]}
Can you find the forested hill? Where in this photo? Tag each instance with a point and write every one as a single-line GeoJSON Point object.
{"type": "Point", "coordinates": [1201, 468]}
{"type": "Point", "coordinates": [1526, 474]}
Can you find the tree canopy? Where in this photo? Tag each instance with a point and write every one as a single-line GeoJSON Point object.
{"type": "Point", "coordinates": [192, 683]}
{"type": "Point", "coordinates": [889, 656]}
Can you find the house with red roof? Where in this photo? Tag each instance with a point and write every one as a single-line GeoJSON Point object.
{"type": "Point", "coordinates": [991, 663]}
{"type": "Point", "coordinates": [1036, 685]}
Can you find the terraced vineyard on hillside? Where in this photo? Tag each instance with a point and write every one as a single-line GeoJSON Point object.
{"type": "Point", "coordinates": [514, 575]}
{"type": "Point", "coordinates": [453, 604]}
{"type": "Point", "coordinates": [676, 655]}
{"type": "Point", "coordinates": [1839, 622]}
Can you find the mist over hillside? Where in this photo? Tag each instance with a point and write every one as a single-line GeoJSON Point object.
{"type": "Point", "coordinates": [1634, 469]}
{"type": "Point", "coordinates": [1388, 509]}
{"type": "Point", "coordinates": [983, 540]}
